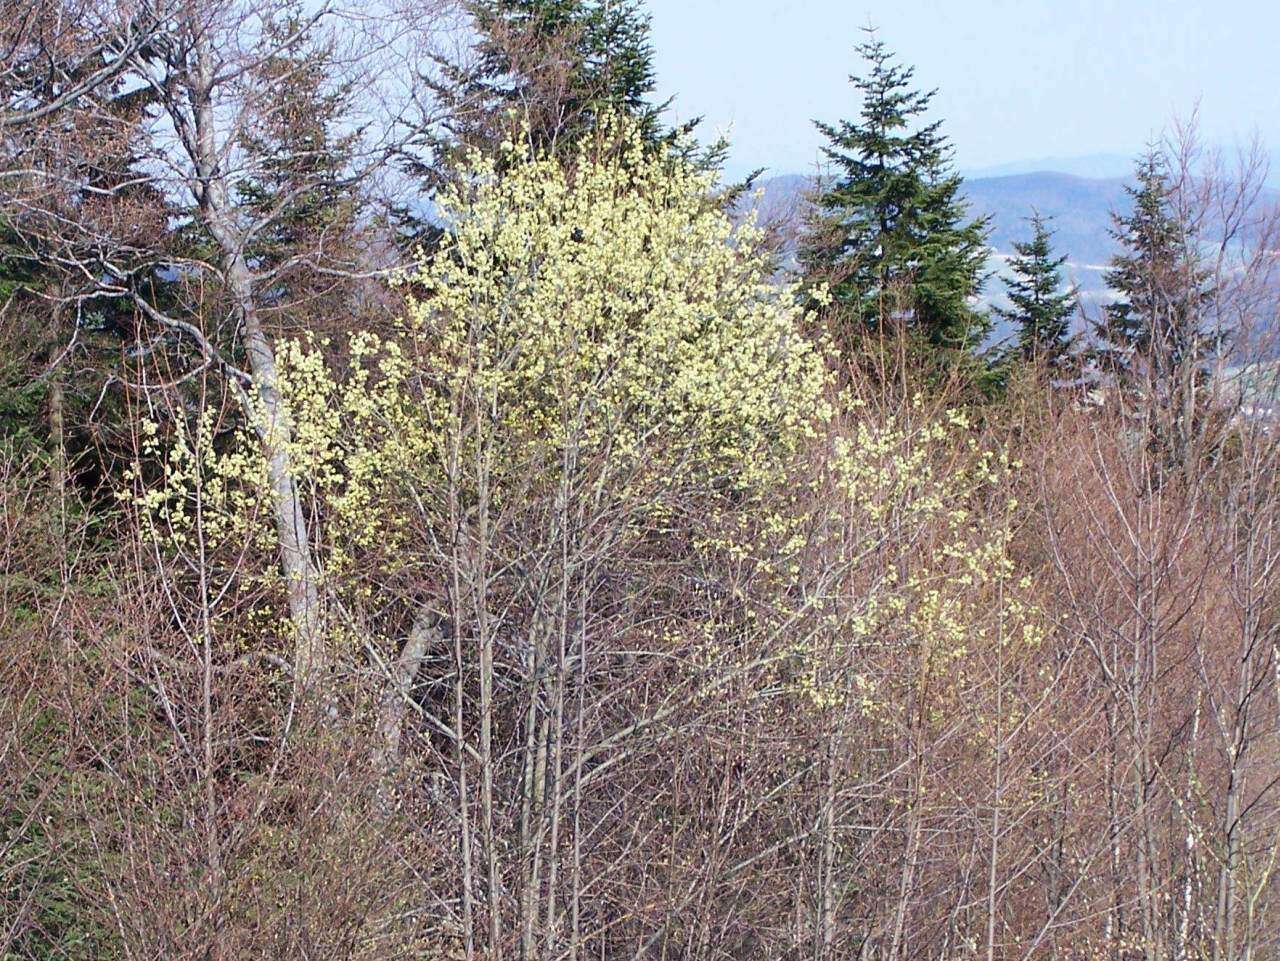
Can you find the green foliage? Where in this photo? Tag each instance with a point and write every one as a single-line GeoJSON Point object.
{"type": "Point", "coordinates": [552, 74]}
{"type": "Point", "coordinates": [1162, 290]}
{"type": "Point", "coordinates": [1156, 339]}
{"type": "Point", "coordinates": [88, 225]}
{"type": "Point", "coordinates": [890, 235]}
{"type": "Point", "coordinates": [47, 860]}
{"type": "Point", "coordinates": [553, 66]}
{"type": "Point", "coordinates": [21, 396]}
{"type": "Point", "coordinates": [1042, 309]}
{"type": "Point", "coordinates": [298, 160]}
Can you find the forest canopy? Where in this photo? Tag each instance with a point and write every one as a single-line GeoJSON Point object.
{"type": "Point", "coordinates": [442, 515]}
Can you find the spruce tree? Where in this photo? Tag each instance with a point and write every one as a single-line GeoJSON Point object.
{"type": "Point", "coordinates": [542, 71]}
{"type": "Point", "coordinates": [298, 169]}
{"type": "Point", "coordinates": [547, 72]}
{"type": "Point", "coordinates": [87, 226]}
{"type": "Point", "coordinates": [891, 234]}
{"type": "Point", "coordinates": [1161, 291]}
{"type": "Point", "coordinates": [1041, 307]}
{"type": "Point", "coordinates": [1153, 341]}
{"type": "Point", "coordinates": [551, 66]}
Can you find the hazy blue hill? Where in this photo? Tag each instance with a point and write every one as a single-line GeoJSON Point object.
{"type": "Point", "coordinates": [1101, 166]}
{"type": "Point", "coordinates": [781, 198]}
{"type": "Point", "coordinates": [1080, 207]}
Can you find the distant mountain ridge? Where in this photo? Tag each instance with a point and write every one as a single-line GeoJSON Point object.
{"type": "Point", "coordinates": [1079, 208]}
{"type": "Point", "coordinates": [1099, 166]}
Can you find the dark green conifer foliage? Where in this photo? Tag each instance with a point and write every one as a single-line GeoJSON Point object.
{"type": "Point", "coordinates": [891, 234]}
{"type": "Point", "coordinates": [301, 183]}
{"type": "Point", "coordinates": [21, 393]}
{"type": "Point", "coordinates": [1041, 307]}
{"type": "Point", "coordinates": [1155, 341]}
{"type": "Point", "coordinates": [60, 336]}
{"type": "Point", "coordinates": [1162, 292]}
{"type": "Point", "coordinates": [546, 72]}
{"type": "Point", "coordinates": [553, 66]}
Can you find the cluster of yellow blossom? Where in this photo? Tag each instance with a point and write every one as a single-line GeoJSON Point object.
{"type": "Point", "coordinates": [924, 528]}
{"type": "Point", "coordinates": [613, 306]}
{"type": "Point", "coordinates": [212, 490]}
{"type": "Point", "coordinates": [609, 313]}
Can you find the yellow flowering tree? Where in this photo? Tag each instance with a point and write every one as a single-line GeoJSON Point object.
{"type": "Point", "coordinates": [612, 305]}
{"type": "Point", "coordinates": [606, 357]}
{"type": "Point", "coordinates": [596, 478]}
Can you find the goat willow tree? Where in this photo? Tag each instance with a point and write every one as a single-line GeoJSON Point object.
{"type": "Point", "coordinates": [589, 354]}
{"type": "Point", "coordinates": [618, 360]}
{"type": "Point", "coordinates": [595, 485]}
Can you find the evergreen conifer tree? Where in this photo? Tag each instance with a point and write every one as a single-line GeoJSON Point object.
{"type": "Point", "coordinates": [1154, 341]}
{"type": "Point", "coordinates": [891, 235]}
{"type": "Point", "coordinates": [1041, 308]}
{"type": "Point", "coordinates": [60, 236]}
{"type": "Point", "coordinates": [1161, 290]}
{"type": "Point", "coordinates": [556, 65]}
{"type": "Point", "coordinates": [547, 72]}
{"type": "Point", "coordinates": [298, 169]}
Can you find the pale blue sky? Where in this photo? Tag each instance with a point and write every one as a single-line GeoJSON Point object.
{"type": "Point", "coordinates": [1017, 79]}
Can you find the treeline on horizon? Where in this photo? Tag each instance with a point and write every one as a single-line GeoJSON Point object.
{"type": "Point", "coordinates": [436, 523]}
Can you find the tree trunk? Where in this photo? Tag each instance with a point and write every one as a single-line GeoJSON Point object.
{"type": "Point", "coordinates": [271, 419]}
{"type": "Point", "coordinates": [393, 707]}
